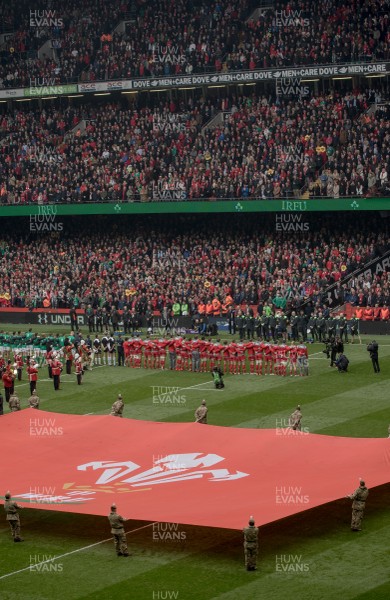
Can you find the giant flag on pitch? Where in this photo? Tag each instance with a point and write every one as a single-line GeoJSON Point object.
{"type": "Point", "coordinates": [180, 472]}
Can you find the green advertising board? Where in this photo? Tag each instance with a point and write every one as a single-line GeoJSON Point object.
{"type": "Point", "coordinates": [202, 206]}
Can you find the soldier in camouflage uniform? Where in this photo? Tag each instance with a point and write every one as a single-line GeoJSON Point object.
{"type": "Point", "coordinates": [359, 497]}
{"type": "Point", "coordinates": [117, 529]}
{"type": "Point", "coordinates": [117, 407]}
{"type": "Point", "coordinates": [201, 413]}
{"type": "Point", "coordinates": [251, 534]}
{"type": "Point", "coordinates": [11, 509]}
{"type": "Point", "coordinates": [33, 401]}
{"type": "Point", "coordinates": [295, 419]}
{"type": "Point", "coordinates": [14, 403]}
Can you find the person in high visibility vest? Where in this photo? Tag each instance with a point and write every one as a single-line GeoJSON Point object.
{"type": "Point", "coordinates": [384, 314]}
{"type": "Point", "coordinates": [216, 307]}
{"type": "Point", "coordinates": [209, 308]}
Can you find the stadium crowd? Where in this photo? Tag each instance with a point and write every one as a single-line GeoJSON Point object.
{"type": "Point", "coordinates": [175, 265]}
{"type": "Point", "coordinates": [264, 147]}
{"type": "Point", "coordinates": [164, 38]}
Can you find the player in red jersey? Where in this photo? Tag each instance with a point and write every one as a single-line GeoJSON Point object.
{"type": "Point", "coordinates": [148, 347]}
{"type": "Point", "coordinates": [267, 357]}
{"type": "Point", "coordinates": [155, 354]}
{"type": "Point", "coordinates": [211, 355]}
{"type": "Point", "coordinates": [129, 348]}
{"type": "Point", "coordinates": [137, 356]}
{"type": "Point", "coordinates": [225, 357]}
{"type": "Point", "coordinates": [275, 358]}
{"type": "Point", "coordinates": [250, 348]}
{"type": "Point", "coordinates": [186, 354]}
{"type": "Point", "coordinates": [204, 353]}
{"type": "Point", "coordinates": [126, 351]}
{"type": "Point", "coordinates": [241, 358]}
{"type": "Point", "coordinates": [162, 352]}
{"type": "Point", "coordinates": [293, 358]}
{"type": "Point", "coordinates": [178, 345]}
{"type": "Point", "coordinates": [233, 357]}
{"type": "Point", "coordinates": [283, 359]}
{"type": "Point", "coordinates": [258, 358]}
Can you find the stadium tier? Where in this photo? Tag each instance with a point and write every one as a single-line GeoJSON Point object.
{"type": "Point", "coordinates": [331, 145]}
{"type": "Point", "coordinates": [176, 264]}
{"type": "Point", "coordinates": [117, 40]}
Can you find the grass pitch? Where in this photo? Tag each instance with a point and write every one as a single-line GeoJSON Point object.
{"type": "Point", "coordinates": [207, 563]}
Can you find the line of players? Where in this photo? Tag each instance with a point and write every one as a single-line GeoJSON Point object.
{"type": "Point", "coordinates": [174, 353]}
{"type": "Point", "coordinates": [200, 355]}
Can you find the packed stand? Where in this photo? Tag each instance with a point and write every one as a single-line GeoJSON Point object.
{"type": "Point", "coordinates": [185, 37]}
{"type": "Point", "coordinates": [265, 148]}
{"type": "Point", "coordinates": [176, 265]}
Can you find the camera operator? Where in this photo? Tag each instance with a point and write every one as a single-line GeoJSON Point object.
{"type": "Point", "coordinates": [373, 350]}
{"type": "Point", "coordinates": [342, 363]}
{"type": "Point", "coordinates": [218, 378]}
{"type": "Point", "coordinates": [337, 347]}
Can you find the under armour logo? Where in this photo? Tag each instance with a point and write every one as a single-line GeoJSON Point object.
{"type": "Point", "coordinates": [42, 318]}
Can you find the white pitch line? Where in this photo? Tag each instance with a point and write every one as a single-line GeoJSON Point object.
{"type": "Point", "coordinates": [73, 552]}
{"type": "Point", "coordinates": [197, 385]}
